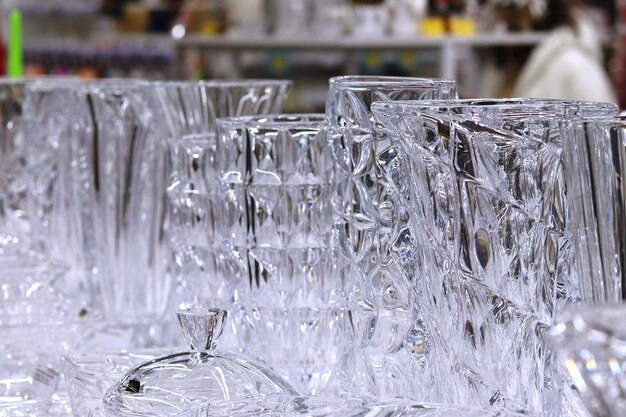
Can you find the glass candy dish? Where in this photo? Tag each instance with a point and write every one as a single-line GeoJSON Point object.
{"type": "Point", "coordinates": [323, 407]}
{"type": "Point", "coordinates": [89, 375]}
{"type": "Point", "coordinates": [173, 384]}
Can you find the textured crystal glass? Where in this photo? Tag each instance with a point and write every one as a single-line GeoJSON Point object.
{"type": "Point", "coordinates": [276, 176]}
{"type": "Point", "coordinates": [363, 214]}
{"type": "Point", "coordinates": [590, 342]}
{"type": "Point", "coordinates": [11, 167]}
{"type": "Point", "coordinates": [193, 106]}
{"type": "Point", "coordinates": [175, 383]}
{"type": "Point", "coordinates": [481, 234]}
{"type": "Point", "coordinates": [99, 200]}
{"type": "Point", "coordinates": [189, 111]}
{"type": "Point", "coordinates": [595, 159]}
{"type": "Point", "coordinates": [90, 375]}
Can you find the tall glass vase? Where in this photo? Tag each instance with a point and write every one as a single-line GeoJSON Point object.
{"type": "Point", "coordinates": [98, 198]}
{"type": "Point", "coordinates": [363, 216]}
{"type": "Point", "coordinates": [482, 216]}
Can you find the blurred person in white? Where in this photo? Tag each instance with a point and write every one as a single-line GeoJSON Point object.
{"type": "Point", "coordinates": [567, 64]}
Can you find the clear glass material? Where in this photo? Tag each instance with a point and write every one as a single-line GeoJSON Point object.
{"type": "Point", "coordinates": [590, 342]}
{"type": "Point", "coordinates": [36, 330]}
{"type": "Point", "coordinates": [175, 383]}
{"type": "Point", "coordinates": [362, 218]}
{"type": "Point", "coordinates": [90, 375]}
{"type": "Point", "coordinates": [190, 111]}
{"type": "Point", "coordinates": [52, 408]}
{"type": "Point", "coordinates": [275, 179]}
{"type": "Point", "coordinates": [595, 159]}
{"type": "Point", "coordinates": [481, 237]}
{"type": "Point", "coordinates": [323, 407]}
{"type": "Point", "coordinates": [99, 201]}
{"type": "Point", "coordinates": [100, 183]}
{"type": "Point", "coordinates": [193, 106]}
{"type": "Point", "coordinates": [12, 184]}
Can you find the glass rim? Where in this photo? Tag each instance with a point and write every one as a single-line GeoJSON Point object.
{"type": "Point", "coordinates": [281, 120]}
{"type": "Point", "coordinates": [517, 107]}
{"type": "Point", "coordinates": [619, 119]}
{"type": "Point", "coordinates": [108, 85]}
{"type": "Point", "coordinates": [224, 82]}
{"type": "Point", "coordinates": [29, 80]}
{"type": "Point", "coordinates": [76, 361]}
{"type": "Point", "coordinates": [203, 138]}
{"type": "Point", "coordinates": [377, 81]}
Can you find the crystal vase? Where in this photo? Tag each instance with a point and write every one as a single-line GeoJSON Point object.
{"type": "Point", "coordinates": [481, 233]}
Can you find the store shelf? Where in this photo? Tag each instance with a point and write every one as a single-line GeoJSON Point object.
{"type": "Point", "coordinates": [447, 45]}
{"type": "Point", "coordinates": [354, 43]}
{"type": "Point", "coordinates": [120, 45]}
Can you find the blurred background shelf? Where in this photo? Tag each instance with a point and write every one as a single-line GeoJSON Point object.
{"type": "Point", "coordinates": [304, 40]}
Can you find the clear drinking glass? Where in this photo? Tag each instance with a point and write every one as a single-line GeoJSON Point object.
{"type": "Point", "coordinates": [276, 179]}
{"type": "Point", "coordinates": [363, 217]}
{"type": "Point", "coordinates": [189, 111]}
{"type": "Point", "coordinates": [481, 233]}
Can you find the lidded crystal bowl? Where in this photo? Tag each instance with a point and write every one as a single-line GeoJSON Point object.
{"type": "Point", "coordinates": [173, 384]}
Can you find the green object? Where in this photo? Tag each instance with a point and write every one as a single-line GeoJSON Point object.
{"type": "Point", "coordinates": [15, 61]}
{"type": "Point", "coordinates": [279, 61]}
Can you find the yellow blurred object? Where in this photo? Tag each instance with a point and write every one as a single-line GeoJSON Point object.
{"type": "Point", "coordinates": [88, 73]}
{"type": "Point", "coordinates": [206, 19]}
{"type": "Point", "coordinates": [34, 70]}
{"type": "Point", "coordinates": [136, 18]}
{"type": "Point", "coordinates": [462, 26]}
{"type": "Point", "coordinates": [433, 26]}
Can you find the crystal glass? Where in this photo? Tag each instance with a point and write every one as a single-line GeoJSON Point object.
{"type": "Point", "coordinates": [174, 383]}
{"type": "Point", "coordinates": [11, 167]}
{"type": "Point", "coordinates": [15, 184]}
{"type": "Point", "coordinates": [52, 408]}
{"type": "Point", "coordinates": [480, 233]}
{"type": "Point", "coordinates": [193, 106]}
{"type": "Point", "coordinates": [99, 200]}
{"type": "Point", "coordinates": [91, 374]}
{"type": "Point", "coordinates": [35, 331]}
{"type": "Point", "coordinates": [362, 215]}
{"type": "Point", "coordinates": [276, 176]}
{"type": "Point", "coordinates": [189, 111]}
{"type": "Point", "coordinates": [590, 342]}
{"type": "Point", "coordinates": [594, 160]}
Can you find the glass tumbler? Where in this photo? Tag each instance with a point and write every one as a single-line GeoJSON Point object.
{"type": "Point", "coordinates": [276, 178]}
{"type": "Point", "coordinates": [481, 231]}
{"type": "Point", "coordinates": [189, 110]}
{"type": "Point", "coordinates": [362, 218]}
